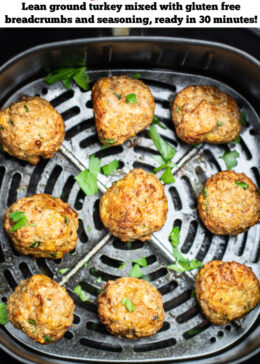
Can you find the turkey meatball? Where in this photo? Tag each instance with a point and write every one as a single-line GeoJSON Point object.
{"type": "Point", "coordinates": [226, 291]}
{"type": "Point", "coordinates": [205, 114]}
{"type": "Point", "coordinates": [229, 203]}
{"type": "Point", "coordinates": [135, 206]}
{"type": "Point", "coordinates": [31, 128]}
{"type": "Point", "coordinates": [42, 225]}
{"type": "Point", "coordinates": [131, 308]}
{"type": "Point", "coordinates": [123, 106]}
{"type": "Point", "coordinates": [41, 308]}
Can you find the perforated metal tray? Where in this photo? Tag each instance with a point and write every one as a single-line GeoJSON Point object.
{"type": "Point", "coordinates": [87, 340]}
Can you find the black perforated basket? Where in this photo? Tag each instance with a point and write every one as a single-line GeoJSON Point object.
{"type": "Point", "coordinates": [167, 66]}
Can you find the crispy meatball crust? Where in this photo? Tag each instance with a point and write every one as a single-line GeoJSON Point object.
{"type": "Point", "coordinates": [54, 229]}
{"type": "Point", "coordinates": [205, 114]}
{"type": "Point", "coordinates": [134, 207]}
{"type": "Point", "coordinates": [226, 291]}
{"type": "Point", "coordinates": [31, 128]}
{"type": "Point", "coordinates": [41, 308]}
{"type": "Point", "coordinates": [229, 203]}
{"type": "Point", "coordinates": [118, 120]}
{"type": "Point", "coordinates": [147, 317]}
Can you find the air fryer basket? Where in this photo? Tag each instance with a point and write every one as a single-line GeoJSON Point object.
{"type": "Point", "coordinates": [166, 65]}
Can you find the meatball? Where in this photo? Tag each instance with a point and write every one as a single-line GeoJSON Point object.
{"type": "Point", "coordinates": [229, 203]}
{"type": "Point", "coordinates": [31, 128]}
{"type": "Point", "coordinates": [205, 114]}
{"type": "Point", "coordinates": [123, 107]}
{"type": "Point", "coordinates": [131, 307]}
{"type": "Point", "coordinates": [226, 291]}
{"type": "Point", "coordinates": [48, 229]}
{"type": "Point", "coordinates": [41, 308]}
{"type": "Point", "coordinates": [135, 206]}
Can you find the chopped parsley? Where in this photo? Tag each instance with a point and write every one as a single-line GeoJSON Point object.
{"type": "Point", "coordinates": [47, 339]}
{"type": "Point", "coordinates": [119, 97]}
{"type": "Point", "coordinates": [20, 219]}
{"type": "Point", "coordinates": [66, 220]}
{"type": "Point", "coordinates": [136, 75]}
{"type": "Point", "coordinates": [236, 141]}
{"type": "Point", "coordinates": [167, 152]}
{"type": "Point", "coordinates": [157, 122]}
{"type": "Point", "coordinates": [205, 192]}
{"type": "Point", "coordinates": [54, 255]}
{"type": "Point", "coordinates": [176, 109]}
{"type": "Point", "coordinates": [100, 280]}
{"type": "Point", "coordinates": [131, 98]}
{"type": "Point", "coordinates": [85, 265]}
{"type": "Point", "coordinates": [242, 185]}
{"type": "Point", "coordinates": [3, 314]}
{"type": "Point", "coordinates": [87, 179]}
{"type": "Point", "coordinates": [128, 304]}
{"type": "Point", "coordinates": [32, 322]}
{"type": "Point", "coordinates": [35, 244]}
{"type": "Point", "coordinates": [142, 262]}
{"type": "Point", "coordinates": [53, 197]}
{"type": "Point", "coordinates": [167, 176]}
{"type": "Point", "coordinates": [243, 118]}
{"type": "Point", "coordinates": [136, 271]}
{"type": "Point", "coordinates": [67, 74]}
{"type": "Point", "coordinates": [110, 168]}
{"type": "Point", "coordinates": [230, 159]}
{"type": "Point", "coordinates": [181, 264]}
{"type": "Point", "coordinates": [122, 265]}
{"type": "Point", "coordinates": [109, 141]}
{"type": "Point", "coordinates": [89, 228]}
{"type": "Point", "coordinates": [81, 293]}
{"type": "Point", "coordinates": [63, 270]}
{"type": "Point", "coordinates": [219, 123]}
{"type": "Point", "coordinates": [26, 108]}
{"type": "Point", "coordinates": [162, 163]}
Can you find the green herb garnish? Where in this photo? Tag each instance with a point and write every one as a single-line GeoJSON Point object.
{"type": "Point", "coordinates": [136, 271]}
{"type": "Point", "coordinates": [63, 270]}
{"type": "Point", "coordinates": [47, 338]}
{"type": "Point", "coordinates": [243, 118]}
{"type": "Point", "coordinates": [205, 192]}
{"type": "Point", "coordinates": [35, 244]}
{"type": "Point", "coordinates": [32, 322]}
{"type": "Point", "coordinates": [118, 96]}
{"type": "Point", "coordinates": [157, 122]}
{"type": "Point", "coordinates": [87, 179]}
{"type": "Point", "coordinates": [230, 159]}
{"type": "Point", "coordinates": [67, 74]}
{"type": "Point", "coordinates": [54, 255]}
{"type": "Point", "coordinates": [131, 98]}
{"type": "Point", "coordinates": [236, 141]}
{"type": "Point", "coordinates": [89, 228]}
{"type": "Point", "coordinates": [109, 141]}
{"type": "Point", "coordinates": [166, 151]}
{"type": "Point", "coordinates": [242, 185]}
{"type": "Point", "coordinates": [20, 219]}
{"type": "Point", "coordinates": [136, 75]}
{"type": "Point", "coordinates": [100, 280]}
{"type": "Point", "coordinates": [66, 220]}
{"type": "Point", "coordinates": [122, 265]}
{"type": "Point", "coordinates": [167, 176]}
{"type": "Point", "coordinates": [219, 123]}
{"type": "Point", "coordinates": [53, 197]}
{"type": "Point", "coordinates": [142, 262]}
{"type": "Point", "coordinates": [3, 314]}
{"type": "Point", "coordinates": [193, 332]}
{"type": "Point", "coordinates": [176, 109]}
{"type": "Point", "coordinates": [110, 168]}
{"type": "Point", "coordinates": [85, 265]}
{"type": "Point", "coordinates": [162, 163]}
{"type": "Point", "coordinates": [128, 304]}
{"type": "Point", "coordinates": [26, 108]}
{"type": "Point", "coordinates": [174, 236]}
{"type": "Point", "coordinates": [81, 293]}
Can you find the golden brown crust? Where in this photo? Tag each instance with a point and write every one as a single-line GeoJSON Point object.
{"type": "Point", "coordinates": [31, 128]}
{"type": "Point", "coordinates": [54, 230]}
{"type": "Point", "coordinates": [225, 207]}
{"type": "Point", "coordinates": [116, 119]}
{"type": "Point", "coordinates": [205, 114]}
{"type": "Point", "coordinates": [41, 308]}
{"type": "Point", "coordinates": [226, 291]}
{"type": "Point", "coordinates": [147, 317]}
{"type": "Point", "coordinates": [135, 206]}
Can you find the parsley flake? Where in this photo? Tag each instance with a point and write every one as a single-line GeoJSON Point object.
{"type": "Point", "coordinates": [87, 179]}
{"type": "Point", "coordinates": [47, 339]}
{"type": "Point", "coordinates": [157, 122]}
{"type": "Point", "coordinates": [136, 75]}
{"type": "Point", "coordinates": [136, 271]}
{"type": "Point", "coordinates": [230, 159]}
{"type": "Point", "coordinates": [66, 220]}
{"type": "Point", "coordinates": [109, 141]}
{"type": "Point", "coordinates": [243, 118]}
{"type": "Point", "coordinates": [35, 244]}
{"type": "Point", "coordinates": [128, 304]}
{"type": "Point", "coordinates": [142, 262]}
{"type": "Point", "coordinates": [131, 98]}
{"type": "Point", "coordinates": [63, 270]}
{"type": "Point", "coordinates": [67, 74]}
{"type": "Point", "coordinates": [32, 322]}
{"type": "Point", "coordinates": [3, 314]}
{"type": "Point", "coordinates": [20, 219]}
{"type": "Point", "coordinates": [242, 185]}
{"type": "Point", "coordinates": [26, 108]}
{"type": "Point", "coordinates": [110, 168]}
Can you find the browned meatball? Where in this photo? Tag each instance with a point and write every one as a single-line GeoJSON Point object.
{"type": "Point", "coordinates": [50, 229]}
{"type": "Point", "coordinates": [123, 107]}
{"type": "Point", "coordinates": [31, 128]}
{"type": "Point", "coordinates": [226, 291]}
{"type": "Point", "coordinates": [135, 206]}
{"type": "Point", "coordinates": [205, 114]}
{"type": "Point", "coordinates": [41, 308]}
{"type": "Point", "coordinates": [131, 307]}
{"type": "Point", "coordinates": [229, 203]}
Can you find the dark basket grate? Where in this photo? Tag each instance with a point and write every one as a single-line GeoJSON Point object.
{"type": "Point", "coordinates": [186, 334]}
